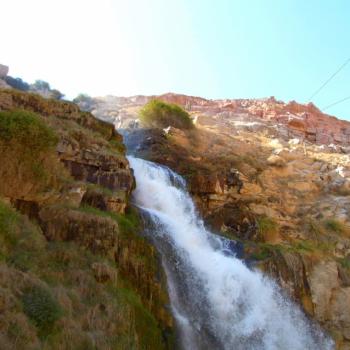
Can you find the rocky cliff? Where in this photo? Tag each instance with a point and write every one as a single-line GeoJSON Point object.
{"type": "Point", "coordinates": [272, 175]}
{"type": "Point", "coordinates": [75, 272]}
{"type": "Point", "coordinates": [284, 120]}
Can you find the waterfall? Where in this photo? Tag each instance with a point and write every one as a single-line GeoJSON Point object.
{"type": "Point", "coordinates": [217, 301]}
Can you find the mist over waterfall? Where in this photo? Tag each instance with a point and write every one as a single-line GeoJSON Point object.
{"type": "Point", "coordinates": [217, 301]}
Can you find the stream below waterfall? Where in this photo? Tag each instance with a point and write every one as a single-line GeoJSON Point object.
{"type": "Point", "coordinates": [217, 301]}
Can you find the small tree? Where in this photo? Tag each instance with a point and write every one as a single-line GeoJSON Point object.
{"type": "Point", "coordinates": [157, 114]}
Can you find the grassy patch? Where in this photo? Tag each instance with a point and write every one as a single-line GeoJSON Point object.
{"type": "Point", "coordinates": [9, 221]}
{"type": "Point", "coordinates": [345, 262]}
{"type": "Point", "coordinates": [100, 189]}
{"type": "Point", "coordinates": [27, 151]}
{"type": "Point", "coordinates": [127, 223]}
{"type": "Point", "coordinates": [267, 228]}
{"type": "Point", "coordinates": [117, 146]}
{"type": "Point", "coordinates": [157, 113]}
{"type": "Point", "coordinates": [261, 253]}
{"type": "Point", "coordinates": [315, 229]}
{"type": "Point", "coordinates": [20, 240]}
{"type": "Point", "coordinates": [335, 226]}
{"type": "Point", "coordinates": [42, 308]}
{"type": "Point", "coordinates": [145, 324]}
{"type": "Point", "coordinates": [306, 246]}
{"type": "Point", "coordinates": [27, 129]}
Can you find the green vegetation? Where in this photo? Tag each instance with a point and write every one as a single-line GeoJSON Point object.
{"type": "Point", "coordinates": [41, 307]}
{"type": "Point", "coordinates": [8, 226]}
{"type": "Point", "coordinates": [160, 114]}
{"type": "Point", "coordinates": [100, 189]}
{"type": "Point", "coordinates": [345, 262]}
{"type": "Point", "coordinates": [59, 294]}
{"type": "Point", "coordinates": [66, 269]}
{"type": "Point", "coordinates": [335, 226]}
{"type": "Point", "coordinates": [262, 252]}
{"type": "Point", "coordinates": [128, 222]}
{"type": "Point", "coordinates": [27, 129]}
{"type": "Point", "coordinates": [314, 229]}
{"type": "Point", "coordinates": [20, 240]}
{"type": "Point", "coordinates": [145, 323]}
{"type": "Point", "coordinates": [267, 228]}
{"type": "Point", "coordinates": [118, 146]}
{"type": "Point", "coordinates": [306, 246]}
{"type": "Point", "coordinates": [266, 224]}
{"type": "Point", "coordinates": [27, 148]}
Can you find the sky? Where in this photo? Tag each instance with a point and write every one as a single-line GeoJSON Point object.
{"type": "Point", "coordinates": [208, 48]}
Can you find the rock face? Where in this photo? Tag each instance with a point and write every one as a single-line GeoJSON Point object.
{"type": "Point", "coordinates": [286, 120]}
{"type": "Point", "coordinates": [3, 71]}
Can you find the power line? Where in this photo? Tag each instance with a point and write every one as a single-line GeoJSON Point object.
{"type": "Point", "coordinates": [336, 103]}
{"type": "Point", "coordinates": [329, 79]}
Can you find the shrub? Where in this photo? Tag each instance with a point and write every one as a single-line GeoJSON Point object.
{"type": "Point", "coordinates": [157, 113]}
{"type": "Point", "coordinates": [41, 307]}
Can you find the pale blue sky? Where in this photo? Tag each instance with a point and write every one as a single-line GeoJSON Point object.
{"type": "Point", "coordinates": [214, 49]}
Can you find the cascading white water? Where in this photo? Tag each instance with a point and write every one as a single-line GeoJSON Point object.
{"type": "Point", "coordinates": [218, 302]}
